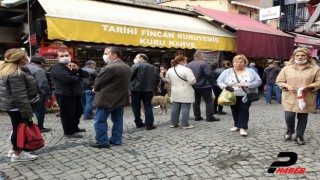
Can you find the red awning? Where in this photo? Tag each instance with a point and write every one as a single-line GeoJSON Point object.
{"type": "Point", "coordinates": [254, 39]}
{"type": "Point", "coordinates": [303, 42]}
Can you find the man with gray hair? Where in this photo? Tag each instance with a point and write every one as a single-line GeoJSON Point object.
{"type": "Point", "coordinates": [202, 71]}
{"type": "Point", "coordinates": [87, 86]}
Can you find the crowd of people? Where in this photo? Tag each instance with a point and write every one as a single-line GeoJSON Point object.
{"type": "Point", "coordinates": [24, 89]}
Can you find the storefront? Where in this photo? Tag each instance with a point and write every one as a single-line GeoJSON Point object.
{"type": "Point", "coordinates": [254, 39]}
{"type": "Point", "coordinates": [90, 26]}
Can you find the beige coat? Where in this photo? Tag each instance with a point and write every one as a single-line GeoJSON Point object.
{"type": "Point", "coordinates": [292, 76]}
{"type": "Point", "coordinates": [181, 91]}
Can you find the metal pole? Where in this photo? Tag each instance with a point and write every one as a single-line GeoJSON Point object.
{"type": "Point", "coordinates": [28, 9]}
{"type": "Point", "coordinates": [296, 15]}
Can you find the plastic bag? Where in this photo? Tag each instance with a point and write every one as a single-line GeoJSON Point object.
{"type": "Point", "coordinates": [226, 98]}
{"type": "Point", "coordinates": [213, 96]}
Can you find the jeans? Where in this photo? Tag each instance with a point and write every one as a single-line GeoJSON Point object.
{"type": "Point", "coordinates": [101, 125]}
{"type": "Point", "coordinates": [240, 113]}
{"type": "Point", "coordinates": [16, 120]}
{"type": "Point", "coordinates": [272, 87]}
{"type": "Point", "coordinates": [206, 94]}
{"type": "Point", "coordinates": [217, 91]}
{"type": "Point", "coordinates": [175, 113]}
{"type": "Point", "coordinates": [40, 112]}
{"type": "Point", "coordinates": [302, 122]}
{"type": "Point", "coordinates": [70, 112]}
{"type": "Point", "coordinates": [146, 98]}
{"type": "Point", "coordinates": [87, 99]}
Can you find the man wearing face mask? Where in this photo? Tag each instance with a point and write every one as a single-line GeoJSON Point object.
{"type": "Point", "coordinates": [66, 77]}
{"type": "Point", "coordinates": [144, 79]}
{"type": "Point", "coordinates": [112, 95]}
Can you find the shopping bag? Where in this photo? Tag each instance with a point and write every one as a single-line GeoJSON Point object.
{"type": "Point", "coordinates": [29, 137]}
{"type": "Point", "coordinates": [226, 98]}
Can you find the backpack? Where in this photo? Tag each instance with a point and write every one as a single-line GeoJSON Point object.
{"type": "Point", "coordinates": [29, 137]}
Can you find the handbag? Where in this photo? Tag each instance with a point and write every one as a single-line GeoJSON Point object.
{"type": "Point", "coordinates": [251, 96]}
{"type": "Point", "coordinates": [178, 75]}
{"type": "Point", "coordinates": [29, 137]}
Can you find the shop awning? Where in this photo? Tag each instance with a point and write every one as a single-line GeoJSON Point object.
{"type": "Point", "coordinates": [254, 39]}
{"type": "Point", "coordinates": [103, 22]}
{"type": "Point", "coordinates": [303, 42]}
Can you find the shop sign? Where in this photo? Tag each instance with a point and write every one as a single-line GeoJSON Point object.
{"type": "Point", "coordinates": [33, 40]}
{"type": "Point", "coordinates": [77, 30]}
{"type": "Point", "coordinates": [269, 13]}
{"type": "Point", "coordinates": [212, 56]}
{"type": "Point", "coordinates": [44, 51]}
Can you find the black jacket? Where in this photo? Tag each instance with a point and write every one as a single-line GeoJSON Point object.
{"type": "Point", "coordinates": [66, 82]}
{"type": "Point", "coordinates": [15, 92]}
{"type": "Point", "coordinates": [144, 77]}
{"type": "Point", "coordinates": [87, 83]}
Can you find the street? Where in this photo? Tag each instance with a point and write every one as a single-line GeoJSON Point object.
{"type": "Point", "coordinates": [208, 151]}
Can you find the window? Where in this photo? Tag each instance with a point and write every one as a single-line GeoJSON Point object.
{"type": "Point", "coordinates": [243, 13]}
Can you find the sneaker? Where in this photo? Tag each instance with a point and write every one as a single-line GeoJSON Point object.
{"type": "Point", "coordinates": [187, 127]}
{"type": "Point", "coordinates": [24, 156]}
{"type": "Point", "coordinates": [234, 129]}
{"type": "Point", "coordinates": [243, 132]}
{"type": "Point", "coordinates": [174, 126]}
{"type": "Point", "coordinates": [10, 153]}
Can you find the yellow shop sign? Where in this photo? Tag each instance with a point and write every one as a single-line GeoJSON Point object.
{"type": "Point", "coordinates": [77, 30]}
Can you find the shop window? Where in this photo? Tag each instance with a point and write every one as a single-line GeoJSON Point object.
{"type": "Point", "coordinates": [243, 13]}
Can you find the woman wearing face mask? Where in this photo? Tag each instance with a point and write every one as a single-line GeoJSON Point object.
{"type": "Point", "coordinates": [302, 73]}
{"type": "Point", "coordinates": [17, 88]}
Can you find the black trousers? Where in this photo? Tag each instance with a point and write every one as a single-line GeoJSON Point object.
{"type": "Point", "coordinates": [217, 91]}
{"type": "Point", "coordinates": [206, 94]}
{"type": "Point", "coordinates": [16, 120]}
{"type": "Point", "coordinates": [70, 112]}
{"type": "Point", "coordinates": [290, 118]}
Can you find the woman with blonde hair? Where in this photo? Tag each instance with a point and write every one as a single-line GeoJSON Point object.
{"type": "Point", "coordinates": [17, 88]}
{"type": "Point", "coordinates": [299, 81]}
{"type": "Point", "coordinates": [182, 94]}
{"type": "Point", "coordinates": [241, 80]}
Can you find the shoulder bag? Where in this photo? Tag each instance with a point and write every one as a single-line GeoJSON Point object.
{"type": "Point", "coordinates": [251, 96]}
{"type": "Point", "coordinates": [178, 75]}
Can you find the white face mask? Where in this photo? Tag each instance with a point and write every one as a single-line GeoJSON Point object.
{"type": "Point", "coordinates": [106, 58]}
{"type": "Point", "coordinates": [65, 60]}
{"type": "Point", "coordinates": [135, 61]}
{"type": "Point", "coordinates": [300, 62]}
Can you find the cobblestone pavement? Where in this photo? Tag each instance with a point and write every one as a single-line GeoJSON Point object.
{"type": "Point", "coordinates": [208, 151]}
